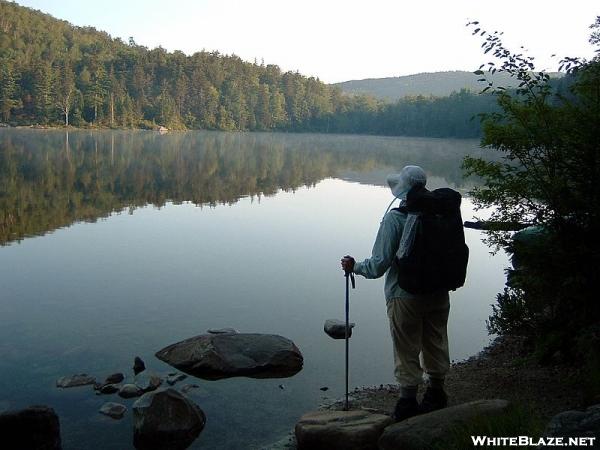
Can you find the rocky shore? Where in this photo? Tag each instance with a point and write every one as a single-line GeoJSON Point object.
{"type": "Point", "coordinates": [503, 370]}
{"type": "Point", "coordinates": [502, 382]}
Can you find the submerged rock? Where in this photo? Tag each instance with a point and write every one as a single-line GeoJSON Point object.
{"type": "Point", "coordinates": [114, 410]}
{"type": "Point", "coordinates": [166, 419]}
{"type": "Point", "coordinates": [217, 356]}
{"type": "Point", "coordinates": [343, 430]}
{"type": "Point", "coordinates": [172, 379]}
{"type": "Point", "coordinates": [138, 365]}
{"type": "Point", "coordinates": [435, 428]}
{"type": "Point", "coordinates": [115, 378]}
{"type": "Point", "coordinates": [75, 380]}
{"type": "Point", "coordinates": [148, 381]}
{"type": "Point", "coordinates": [33, 428]}
{"type": "Point", "coordinates": [130, 391]}
{"type": "Point", "coordinates": [337, 329]}
{"type": "Point", "coordinates": [188, 387]}
{"type": "Point", "coordinates": [107, 389]}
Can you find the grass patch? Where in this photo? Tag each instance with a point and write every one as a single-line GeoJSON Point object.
{"type": "Point", "coordinates": [518, 420]}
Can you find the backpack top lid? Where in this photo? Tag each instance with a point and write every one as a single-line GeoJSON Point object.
{"type": "Point", "coordinates": [444, 201]}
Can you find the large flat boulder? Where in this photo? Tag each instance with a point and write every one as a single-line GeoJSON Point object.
{"type": "Point", "coordinates": [427, 430]}
{"type": "Point", "coordinates": [340, 430]}
{"type": "Point", "coordinates": [166, 420]}
{"type": "Point", "coordinates": [216, 356]}
{"type": "Point", "coordinates": [33, 428]}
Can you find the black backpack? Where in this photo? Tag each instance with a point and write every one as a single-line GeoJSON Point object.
{"type": "Point", "coordinates": [439, 255]}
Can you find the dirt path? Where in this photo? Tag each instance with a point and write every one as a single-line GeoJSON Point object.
{"type": "Point", "coordinates": [502, 370]}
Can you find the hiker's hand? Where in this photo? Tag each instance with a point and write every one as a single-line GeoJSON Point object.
{"type": "Point", "coordinates": [348, 263]}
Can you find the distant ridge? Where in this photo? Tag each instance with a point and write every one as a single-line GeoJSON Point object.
{"type": "Point", "coordinates": [437, 84]}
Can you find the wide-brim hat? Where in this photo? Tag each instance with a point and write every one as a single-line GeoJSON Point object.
{"type": "Point", "coordinates": [400, 183]}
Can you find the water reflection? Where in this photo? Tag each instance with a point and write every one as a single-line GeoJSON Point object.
{"type": "Point", "coordinates": [90, 298]}
{"type": "Point", "coordinates": [50, 179]}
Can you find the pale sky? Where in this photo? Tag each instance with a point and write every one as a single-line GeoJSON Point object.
{"type": "Point", "coordinates": [340, 40]}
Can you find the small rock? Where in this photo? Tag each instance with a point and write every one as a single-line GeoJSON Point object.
{"type": "Point", "coordinates": [108, 389]}
{"type": "Point", "coordinates": [115, 378]}
{"type": "Point", "coordinates": [340, 430]}
{"type": "Point", "coordinates": [222, 331]}
{"type": "Point", "coordinates": [324, 388]}
{"type": "Point", "coordinates": [75, 380]}
{"type": "Point", "coordinates": [337, 329]}
{"type": "Point", "coordinates": [166, 419]}
{"type": "Point", "coordinates": [148, 381]}
{"type": "Point", "coordinates": [174, 378]}
{"type": "Point", "coordinates": [138, 365]}
{"type": "Point", "coordinates": [196, 392]}
{"type": "Point", "coordinates": [188, 387]}
{"type": "Point", "coordinates": [435, 428]}
{"type": "Point", "coordinates": [114, 410]}
{"type": "Point", "coordinates": [130, 391]}
{"type": "Point", "coordinates": [217, 356]}
{"type": "Point", "coordinates": [282, 387]}
{"type": "Point", "coordinates": [103, 388]}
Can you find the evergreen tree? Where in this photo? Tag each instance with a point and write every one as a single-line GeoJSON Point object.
{"type": "Point", "coordinates": [8, 89]}
{"type": "Point", "coordinates": [43, 88]}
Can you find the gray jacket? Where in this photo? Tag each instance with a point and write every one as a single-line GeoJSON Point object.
{"type": "Point", "coordinates": [383, 256]}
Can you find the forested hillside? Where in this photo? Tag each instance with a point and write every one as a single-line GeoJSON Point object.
{"type": "Point", "coordinates": [438, 84]}
{"type": "Point", "coordinates": [54, 73]}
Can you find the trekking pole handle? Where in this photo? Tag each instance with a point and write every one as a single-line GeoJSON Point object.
{"type": "Point", "coordinates": [349, 273]}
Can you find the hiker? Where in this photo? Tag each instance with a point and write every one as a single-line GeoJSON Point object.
{"type": "Point", "coordinates": [418, 322]}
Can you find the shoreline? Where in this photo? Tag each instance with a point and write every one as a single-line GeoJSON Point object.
{"type": "Point", "coordinates": [185, 130]}
{"type": "Point", "coordinates": [504, 369]}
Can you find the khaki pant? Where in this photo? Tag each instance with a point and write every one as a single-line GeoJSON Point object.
{"type": "Point", "coordinates": [419, 329]}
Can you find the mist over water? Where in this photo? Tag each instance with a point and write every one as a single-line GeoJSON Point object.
{"type": "Point", "coordinates": [117, 243]}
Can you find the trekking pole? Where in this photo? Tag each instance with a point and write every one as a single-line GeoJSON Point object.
{"type": "Point", "coordinates": [349, 277]}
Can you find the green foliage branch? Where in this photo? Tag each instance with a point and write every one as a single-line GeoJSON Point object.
{"type": "Point", "coordinates": [547, 177]}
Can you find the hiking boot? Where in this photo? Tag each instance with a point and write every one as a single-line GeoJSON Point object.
{"type": "Point", "coordinates": [405, 408]}
{"type": "Point", "coordinates": [432, 400]}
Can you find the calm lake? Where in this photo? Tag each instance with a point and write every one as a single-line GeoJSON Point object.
{"type": "Point", "coordinates": [115, 244]}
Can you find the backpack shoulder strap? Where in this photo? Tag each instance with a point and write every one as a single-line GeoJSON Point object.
{"type": "Point", "coordinates": [400, 209]}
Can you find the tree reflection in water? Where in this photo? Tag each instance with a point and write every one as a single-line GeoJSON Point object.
{"type": "Point", "coordinates": [51, 179]}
